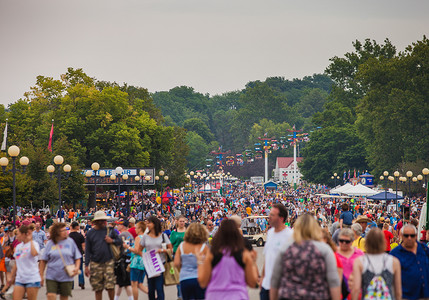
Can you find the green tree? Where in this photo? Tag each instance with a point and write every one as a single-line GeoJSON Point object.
{"type": "Point", "coordinates": [330, 150]}
{"type": "Point", "coordinates": [198, 126]}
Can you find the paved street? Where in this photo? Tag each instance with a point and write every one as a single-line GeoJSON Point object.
{"type": "Point", "coordinates": [87, 294]}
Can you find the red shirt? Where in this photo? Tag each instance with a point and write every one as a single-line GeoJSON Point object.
{"type": "Point", "coordinates": [388, 236]}
{"type": "Point", "coordinates": [133, 232]}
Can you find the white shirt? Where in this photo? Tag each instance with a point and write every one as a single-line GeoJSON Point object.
{"type": "Point", "coordinates": [272, 248]}
{"type": "Point", "coordinates": [27, 265]}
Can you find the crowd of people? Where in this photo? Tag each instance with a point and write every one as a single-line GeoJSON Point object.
{"type": "Point", "coordinates": [315, 248]}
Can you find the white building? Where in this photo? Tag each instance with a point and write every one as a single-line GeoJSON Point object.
{"type": "Point", "coordinates": [284, 169]}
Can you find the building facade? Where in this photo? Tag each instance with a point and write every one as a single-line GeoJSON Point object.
{"type": "Point", "coordinates": [284, 170]}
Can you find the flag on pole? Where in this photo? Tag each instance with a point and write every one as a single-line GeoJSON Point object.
{"type": "Point", "coordinates": [50, 137]}
{"type": "Point", "coordinates": [3, 144]}
{"type": "Point", "coordinates": [354, 173]}
{"type": "Point", "coordinates": [344, 176]}
{"type": "Point", "coordinates": [349, 175]}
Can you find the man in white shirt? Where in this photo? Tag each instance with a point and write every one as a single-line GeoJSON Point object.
{"type": "Point", "coordinates": [276, 237]}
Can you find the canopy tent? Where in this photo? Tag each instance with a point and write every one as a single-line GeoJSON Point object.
{"type": "Point", "coordinates": [208, 189]}
{"type": "Point", "coordinates": [382, 196]}
{"type": "Point", "coordinates": [166, 197]}
{"type": "Point", "coordinates": [360, 190]}
{"type": "Point", "coordinates": [341, 189]}
{"type": "Point", "coordinates": [269, 185]}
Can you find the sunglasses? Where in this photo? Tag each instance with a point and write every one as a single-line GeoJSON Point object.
{"type": "Point", "coordinates": [345, 241]}
{"type": "Point", "coordinates": [409, 235]}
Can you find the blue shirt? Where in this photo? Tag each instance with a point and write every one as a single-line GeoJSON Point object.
{"type": "Point", "coordinates": [347, 217]}
{"type": "Point", "coordinates": [414, 271]}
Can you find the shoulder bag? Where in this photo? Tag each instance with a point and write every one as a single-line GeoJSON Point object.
{"type": "Point", "coordinates": [171, 273]}
{"type": "Point", "coordinates": [116, 250]}
{"type": "Point", "coordinates": [69, 269]}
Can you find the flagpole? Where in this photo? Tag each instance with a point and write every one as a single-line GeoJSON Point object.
{"type": "Point", "coordinates": [4, 143]}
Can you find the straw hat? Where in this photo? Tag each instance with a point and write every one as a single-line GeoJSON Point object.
{"type": "Point", "coordinates": [100, 215]}
{"type": "Point", "coordinates": [362, 219]}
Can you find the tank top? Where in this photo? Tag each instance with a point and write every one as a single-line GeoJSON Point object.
{"type": "Point", "coordinates": [137, 260]}
{"type": "Point", "coordinates": [370, 269]}
{"type": "Point", "coordinates": [227, 280]}
{"type": "Point", "coordinates": [189, 268]}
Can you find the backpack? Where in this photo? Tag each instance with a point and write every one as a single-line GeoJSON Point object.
{"type": "Point", "coordinates": [377, 287]}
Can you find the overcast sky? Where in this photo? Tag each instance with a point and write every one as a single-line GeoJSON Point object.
{"type": "Point", "coordinates": [214, 46]}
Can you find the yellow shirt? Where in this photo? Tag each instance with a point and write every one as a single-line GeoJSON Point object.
{"type": "Point", "coordinates": [359, 243]}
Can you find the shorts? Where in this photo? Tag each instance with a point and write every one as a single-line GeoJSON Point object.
{"type": "Point", "coordinates": [9, 265]}
{"type": "Point", "coordinates": [29, 285]}
{"type": "Point", "coordinates": [102, 275]}
{"type": "Point", "coordinates": [137, 275]}
{"type": "Point", "coordinates": [60, 288]}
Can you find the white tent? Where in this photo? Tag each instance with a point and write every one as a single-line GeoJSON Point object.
{"type": "Point", "coordinates": [360, 190]}
{"type": "Point", "coordinates": [341, 189]}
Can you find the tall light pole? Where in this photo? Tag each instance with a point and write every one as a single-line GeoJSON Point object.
{"type": "Point", "coordinates": [386, 174]}
{"type": "Point", "coordinates": [144, 179]}
{"type": "Point", "coordinates": [425, 172]}
{"type": "Point", "coordinates": [95, 167]}
{"type": "Point", "coordinates": [335, 180]}
{"type": "Point", "coordinates": [162, 177]}
{"type": "Point", "coordinates": [409, 175]}
{"type": "Point", "coordinates": [13, 152]}
{"type": "Point", "coordinates": [118, 174]}
{"type": "Point", "coordinates": [396, 174]}
{"type": "Point", "coordinates": [58, 161]}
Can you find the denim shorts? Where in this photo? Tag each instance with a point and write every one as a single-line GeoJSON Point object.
{"type": "Point", "coordinates": [29, 285]}
{"type": "Point", "coordinates": [137, 275]}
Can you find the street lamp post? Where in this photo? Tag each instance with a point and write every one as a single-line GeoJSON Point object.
{"type": "Point", "coordinates": [13, 152]}
{"type": "Point", "coordinates": [335, 180]}
{"type": "Point", "coordinates": [95, 167]}
{"type": "Point", "coordinates": [386, 174]}
{"type": "Point", "coordinates": [127, 196]}
{"type": "Point", "coordinates": [162, 178]}
{"type": "Point", "coordinates": [425, 172]}
{"type": "Point", "coordinates": [396, 174]}
{"type": "Point", "coordinates": [409, 175]}
{"type": "Point", "coordinates": [143, 178]}
{"type": "Point", "coordinates": [58, 161]}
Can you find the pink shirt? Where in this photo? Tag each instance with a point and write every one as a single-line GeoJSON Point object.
{"type": "Point", "coordinates": [348, 262]}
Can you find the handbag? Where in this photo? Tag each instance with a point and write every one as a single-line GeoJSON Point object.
{"type": "Point", "coordinates": [171, 273]}
{"type": "Point", "coordinates": [116, 250]}
{"type": "Point", "coordinates": [69, 269]}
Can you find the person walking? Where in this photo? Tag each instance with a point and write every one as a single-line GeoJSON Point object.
{"type": "Point", "coordinates": [155, 240]}
{"type": "Point", "coordinates": [39, 236]}
{"type": "Point", "coordinates": [413, 257]}
{"type": "Point", "coordinates": [376, 267]}
{"type": "Point", "coordinates": [176, 238]}
{"type": "Point", "coordinates": [25, 273]}
{"type": "Point", "coordinates": [60, 251]}
{"type": "Point", "coordinates": [228, 267]}
{"type": "Point", "coordinates": [277, 235]}
{"type": "Point", "coordinates": [121, 273]}
{"type": "Point", "coordinates": [137, 272]}
{"type": "Point", "coordinates": [347, 253]}
{"type": "Point", "coordinates": [194, 244]}
{"type": "Point", "coordinates": [306, 267]}
{"type": "Point", "coordinates": [79, 239]}
{"type": "Point", "coordinates": [99, 262]}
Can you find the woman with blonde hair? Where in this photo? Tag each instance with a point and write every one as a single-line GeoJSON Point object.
{"type": "Point", "coordinates": [306, 267]}
{"type": "Point", "coordinates": [193, 245]}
